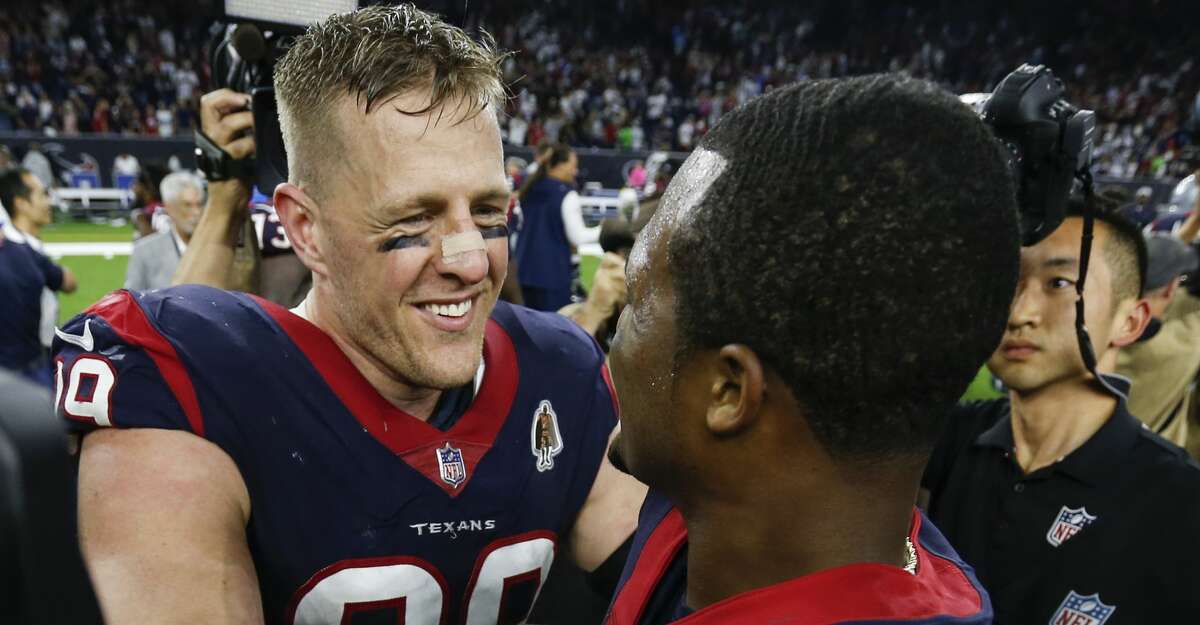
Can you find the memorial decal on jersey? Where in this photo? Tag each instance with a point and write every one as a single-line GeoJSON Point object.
{"type": "Point", "coordinates": [1079, 609]}
{"type": "Point", "coordinates": [544, 437]}
{"type": "Point", "coordinates": [451, 465]}
{"type": "Point", "coordinates": [1070, 521]}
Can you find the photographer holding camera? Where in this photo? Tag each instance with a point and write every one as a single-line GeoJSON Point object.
{"type": "Point", "coordinates": [1057, 495]}
{"type": "Point", "coordinates": [227, 251]}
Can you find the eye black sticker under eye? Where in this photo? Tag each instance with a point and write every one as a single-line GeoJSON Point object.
{"type": "Point", "coordinates": [495, 232]}
{"type": "Point", "coordinates": [400, 243]}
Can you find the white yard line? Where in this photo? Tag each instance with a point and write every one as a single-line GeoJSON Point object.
{"type": "Point", "coordinates": [107, 250]}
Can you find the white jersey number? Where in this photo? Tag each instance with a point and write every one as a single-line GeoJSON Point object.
{"type": "Point", "coordinates": [417, 590]}
{"type": "Point", "coordinates": [88, 389]}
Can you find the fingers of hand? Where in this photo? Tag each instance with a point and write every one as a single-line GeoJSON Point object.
{"type": "Point", "coordinates": [231, 128]}
{"type": "Point", "coordinates": [241, 148]}
{"type": "Point", "coordinates": [612, 261]}
{"type": "Point", "coordinates": [223, 102]}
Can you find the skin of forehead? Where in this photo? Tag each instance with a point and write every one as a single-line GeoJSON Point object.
{"type": "Point", "coordinates": [386, 140]}
{"type": "Point", "coordinates": [686, 191]}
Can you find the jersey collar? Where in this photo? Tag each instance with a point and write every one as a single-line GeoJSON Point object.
{"type": "Point", "coordinates": [408, 437]}
{"type": "Point", "coordinates": [857, 592]}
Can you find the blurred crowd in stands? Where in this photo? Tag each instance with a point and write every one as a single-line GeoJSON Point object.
{"type": "Point", "coordinates": [581, 76]}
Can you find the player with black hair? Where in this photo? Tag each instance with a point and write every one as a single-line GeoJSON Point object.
{"type": "Point", "coordinates": [1059, 496]}
{"type": "Point", "coordinates": [817, 288]}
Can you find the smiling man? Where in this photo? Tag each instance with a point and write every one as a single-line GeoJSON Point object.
{"type": "Point", "coordinates": [398, 448]}
{"type": "Point", "coordinates": [1056, 494]}
{"type": "Point", "coordinates": [804, 307]}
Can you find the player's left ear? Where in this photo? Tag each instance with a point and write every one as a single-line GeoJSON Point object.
{"type": "Point", "coordinates": [1129, 322]}
{"type": "Point", "coordinates": [736, 391]}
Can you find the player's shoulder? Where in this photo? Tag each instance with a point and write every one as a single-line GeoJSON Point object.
{"type": "Point", "coordinates": [188, 315]}
{"type": "Point", "coordinates": [548, 337]}
{"type": "Point", "coordinates": [1170, 464]}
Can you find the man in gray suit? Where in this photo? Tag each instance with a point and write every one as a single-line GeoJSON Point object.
{"type": "Point", "coordinates": [155, 257]}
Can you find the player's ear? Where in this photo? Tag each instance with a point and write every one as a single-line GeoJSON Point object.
{"type": "Point", "coordinates": [736, 392]}
{"type": "Point", "coordinates": [295, 209]}
{"type": "Point", "coordinates": [1131, 320]}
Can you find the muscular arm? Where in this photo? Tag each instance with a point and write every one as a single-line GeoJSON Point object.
{"type": "Point", "coordinates": [162, 518]}
{"type": "Point", "coordinates": [213, 256]}
{"type": "Point", "coordinates": [608, 517]}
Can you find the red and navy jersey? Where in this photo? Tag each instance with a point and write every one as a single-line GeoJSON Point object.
{"type": "Point", "coordinates": [272, 239]}
{"type": "Point", "coordinates": [653, 586]}
{"type": "Point", "coordinates": [360, 513]}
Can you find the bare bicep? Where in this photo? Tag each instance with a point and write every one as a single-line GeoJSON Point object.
{"type": "Point", "coordinates": [162, 519]}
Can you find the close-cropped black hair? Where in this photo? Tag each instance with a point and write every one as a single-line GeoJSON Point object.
{"type": "Point", "coordinates": [1125, 252]}
{"type": "Point", "coordinates": [12, 186]}
{"type": "Point", "coordinates": [863, 240]}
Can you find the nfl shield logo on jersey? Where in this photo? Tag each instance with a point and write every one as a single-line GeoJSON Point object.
{"type": "Point", "coordinates": [1070, 522]}
{"type": "Point", "coordinates": [544, 436]}
{"type": "Point", "coordinates": [451, 465]}
{"type": "Point", "coordinates": [1077, 609]}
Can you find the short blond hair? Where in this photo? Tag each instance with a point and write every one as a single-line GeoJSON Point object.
{"type": "Point", "coordinates": [376, 54]}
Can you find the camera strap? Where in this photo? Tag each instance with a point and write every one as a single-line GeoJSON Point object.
{"type": "Point", "coordinates": [1086, 349]}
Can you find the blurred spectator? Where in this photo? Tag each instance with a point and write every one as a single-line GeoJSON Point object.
{"type": "Point", "coordinates": [29, 214]}
{"type": "Point", "coordinates": [24, 274]}
{"type": "Point", "coordinates": [552, 225]}
{"type": "Point", "coordinates": [1186, 194]}
{"type": "Point", "coordinates": [155, 257]}
{"type": "Point", "coordinates": [147, 206]}
{"type": "Point", "coordinates": [126, 164]}
{"type": "Point", "coordinates": [1165, 361]}
{"type": "Point", "coordinates": [38, 165]}
{"type": "Point", "coordinates": [637, 175]}
{"type": "Point", "coordinates": [1141, 211]}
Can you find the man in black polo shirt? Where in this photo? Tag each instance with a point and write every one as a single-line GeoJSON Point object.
{"type": "Point", "coordinates": [1071, 511]}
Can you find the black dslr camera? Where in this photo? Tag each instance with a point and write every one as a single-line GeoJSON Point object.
{"type": "Point", "coordinates": [243, 59]}
{"type": "Point", "coordinates": [255, 34]}
{"type": "Point", "coordinates": [1049, 142]}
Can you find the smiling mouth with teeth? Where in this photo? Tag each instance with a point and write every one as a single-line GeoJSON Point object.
{"type": "Point", "coordinates": [449, 310]}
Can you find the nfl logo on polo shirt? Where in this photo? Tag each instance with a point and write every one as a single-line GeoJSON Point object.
{"type": "Point", "coordinates": [1078, 609]}
{"type": "Point", "coordinates": [1070, 522]}
{"type": "Point", "coordinates": [451, 466]}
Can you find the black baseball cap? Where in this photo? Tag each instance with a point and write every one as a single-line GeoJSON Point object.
{"type": "Point", "coordinates": [1168, 258]}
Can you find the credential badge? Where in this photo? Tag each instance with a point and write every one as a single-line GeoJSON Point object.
{"type": "Point", "coordinates": [451, 466]}
{"type": "Point", "coordinates": [1070, 521]}
{"type": "Point", "coordinates": [544, 436]}
{"type": "Point", "coordinates": [1078, 609]}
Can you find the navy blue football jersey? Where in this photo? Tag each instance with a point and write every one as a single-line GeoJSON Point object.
{"type": "Point", "coordinates": [272, 239]}
{"type": "Point", "coordinates": [361, 512]}
{"type": "Point", "coordinates": [653, 587]}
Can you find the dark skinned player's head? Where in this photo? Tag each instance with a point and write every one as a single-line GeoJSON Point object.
{"type": "Point", "coordinates": [830, 267]}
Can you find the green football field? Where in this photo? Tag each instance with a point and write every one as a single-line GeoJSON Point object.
{"type": "Point", "coordinates": [98, 276]}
